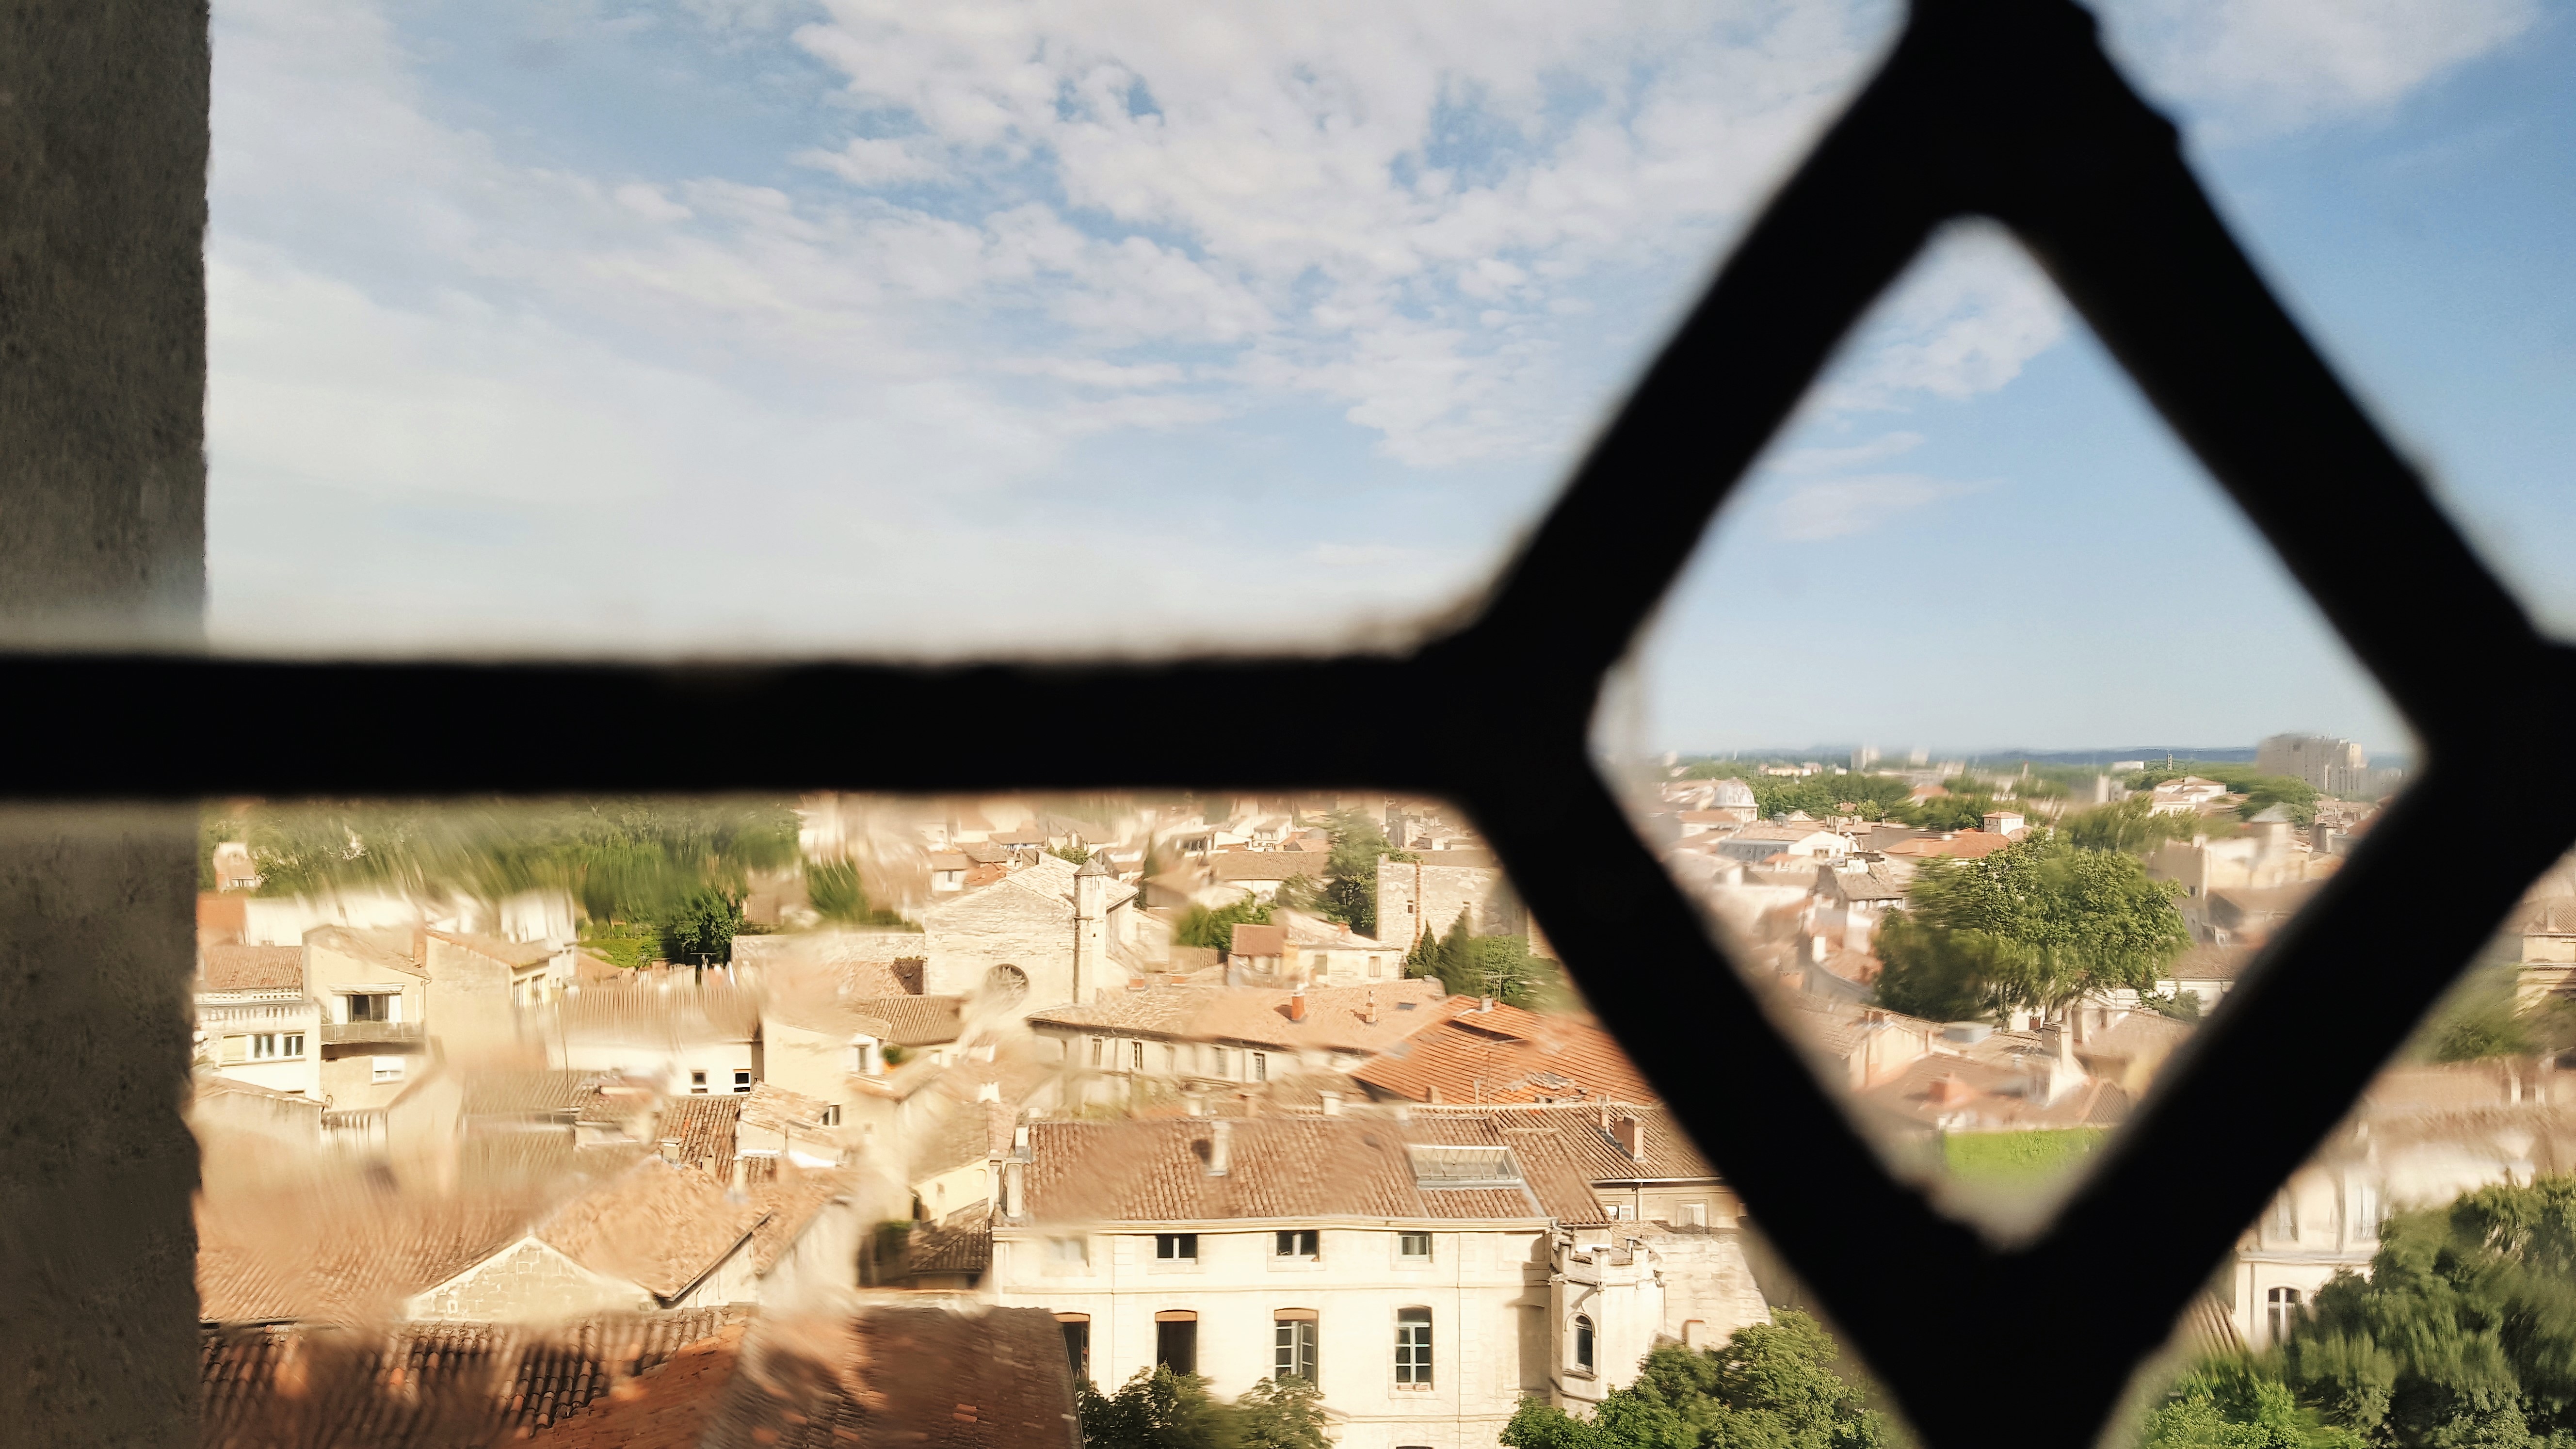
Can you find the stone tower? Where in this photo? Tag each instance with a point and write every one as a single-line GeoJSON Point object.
{"type": "Point", "coordinates": [1091, 969]}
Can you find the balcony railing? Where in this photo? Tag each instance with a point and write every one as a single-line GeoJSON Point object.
{"type": "Point", "coordinates": [369, 1033]}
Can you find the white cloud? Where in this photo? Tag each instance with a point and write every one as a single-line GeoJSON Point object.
{"type": "Point", "coordinates": [1808, 512]}
{"type": "Point", "coordinates": [1830, 460]}
{"type": "Point", "coordinates": [1962, 321]}
{"type": "Point", "coordinates": [870, 161]}
{"type": "Point", "coordinates": [2253, 67]}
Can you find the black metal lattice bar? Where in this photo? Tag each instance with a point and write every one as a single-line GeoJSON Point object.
{"type": "Point", "coordinates": [2001, 108]}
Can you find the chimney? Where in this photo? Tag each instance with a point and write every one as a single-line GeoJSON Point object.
{"type": "Point", "coordinates": [737, 1174]}
{"type": "Point", "coordinates": [1485, 1004]}
{"type": "Point", "coordinates": [1816, 948]}
{"type": "Point", "coordinates": [1014, 1184]}
{"type": "Point", "coordinates": [1221, 1149]}
{"type": "Point", "coordinates": [670, 1149]}
{"type": "Point", "coordinates": [1332, 1103]}
{"type": "Point", "coordinates": [1632, 1136]}
{"type": "Point", "coordinates": [988, 1091]}
{"type": "Point", "coordinates": [1946, 1090]}
{"type": "Point", "coordinates": [1297, 1004]}
{"type": "Point", "coordinates": [1196, 1100]}
{"type": "Point", "coordinates": [1020, 1139]}
{"type": "Point", "coordinates": [1369, 1012]}
{"type": "Point", "coordinates": [1434, 1098]}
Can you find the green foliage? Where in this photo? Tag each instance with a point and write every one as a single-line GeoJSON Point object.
{"type": "Point", "coordinates": [1771, 1386]}
{"type": "Point", "coordinates": [1498, 966]}
{"type": "Point", "coordinates": [2016, 1156]}
{"type": "Point", "coordinates": [2261, 791]}
{"type": "Point", "coordinates": [625, 858]}
{"type": "Point", "coordinates": [2035, 924]}
{"type": "Point", "coordinates": [702, 925]}
{"type": "Point", "coordinates": [620, 944]}
{"type": "Point", "coordinates": [1154, 1409]}
{"type": "Point", "coordinates": [833, 889]}
{"type": "Point", "coordinates": [1280, 1414]}
{"type": "Point", "coordinates": [1077, 853]}
{"type": "Point", "coordinates": [1948, 812]}
{"type": "Point", "coordinates": [2131, 825]}
{"type": "Point", "coordinates": [2231, 1403]}
{"type": "Point", "coordinates": [2463, 1334]}
{"type": "Point", "coordinates": [1214, 929]}
{"type": "Point", "coordinates": [2481, 1018]}
{"type": "Point", "coordinates": [1350, 873]}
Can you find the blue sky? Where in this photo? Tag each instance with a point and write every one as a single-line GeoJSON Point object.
{"type": "Point", "coordinates": [880, 328]}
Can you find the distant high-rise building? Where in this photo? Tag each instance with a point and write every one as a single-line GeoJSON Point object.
{"type": "Point", "coordinates": [1918, 757]}
{"type": "Point", "coordinates": [1863, 758]}
{"type": "Point", "coordinates": [2338, 767]}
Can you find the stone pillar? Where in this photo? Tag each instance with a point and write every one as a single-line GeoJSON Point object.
{"type": "Point", "coordinates": [102, 541]}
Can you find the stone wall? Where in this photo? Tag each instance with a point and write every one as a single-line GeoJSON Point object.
{"type": "Point", "coordinates": [1005, 923]}
{"type": "Point", "coordinates": [1423, 894]}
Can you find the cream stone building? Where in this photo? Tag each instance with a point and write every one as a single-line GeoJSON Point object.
{"type": "Point", "coordinates": [1426, 1274]}
{"type": "Point", "coordinates": [1428, 892]}
{"type": "Point", "coordinates": [373, 994]}
{"type": "Point", "coordinates": [255, 1022]}
{"type": "Point", "coordinates": [1046, 934]}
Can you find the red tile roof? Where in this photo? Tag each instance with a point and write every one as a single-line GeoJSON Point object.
{"type": "Point", "coordinates": [1282, 1167]}
{"type": "Point", "coordinates": [250, 968]}
{"type": "Point", "coordinates": [1505, 1055]}
{"type": "Point", "coordinates": [901, 1376]}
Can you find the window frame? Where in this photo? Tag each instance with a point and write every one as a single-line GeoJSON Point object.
{"type": "Point", "coordinates": [1168, 1248]}
{"type": "Point", "coordinates": [1416, 1368]}
{"type": "Point", "coordinates": [1296, 1345]}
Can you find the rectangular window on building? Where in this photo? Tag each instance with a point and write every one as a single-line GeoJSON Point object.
{"type": "Point", "coordinates": [292, 1044]}
{"type": "Point", "coordinates": [236, 1048]}
{"type": "Point", "coordinates": [1077, 1344]}
{"type": "Point", "coordinates": [366, 1006]}
{"type": "Point", "coordinates": [263, 1045]}
{"type": "Point", "coordinates": [1415, 1247]}
{"type": "Point", "coordinates": [1171, 1059]}
{"type": "Point", "coordinates": [1176, 1247]}
{"type": "Point", "coordinates": [2361, 1211]}
{"type": "Point", "coordinates": [1069, 1252]}
{"type": "Point", "coordinates": [1176, 1342]}
{"type": "Point", "coordinates": [1136, 1056]}
{"type": "Point", "coordinates": [2285, 1218]}
{"type": "Point", "coordinates": [1097, 1045]}
{"type": "Point", "coordinates": [388, 1069]}
{"type": "Point", "coordinates": [1217, 1058]}
{"type": "Point", "coordinates": [832, 1115]}
{"type": "Point", "coordinates": [1413, 1347]}
{"type": "Point", "coordinates": [1293, 1345]}
{"type": "Point", "coordinates": [1261, 1066]}
{"type": "Point", "coordinates": [697, 1084]}
{"type": "Point", "coordinates": [1297, 1243]}
{"type": "Point", "coordinates": [742, 1081]}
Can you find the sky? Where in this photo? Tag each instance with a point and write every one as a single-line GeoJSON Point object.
{"type": "Point", "coordinates": [868, 328]}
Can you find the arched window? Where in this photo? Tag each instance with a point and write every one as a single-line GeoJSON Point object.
{"type": "Point", "coordinates": [1583, 1343]}
{"type": "Point", "coordinates": [1007, 982]}
{"type": "Point", "coordinates": [2283, 1313]}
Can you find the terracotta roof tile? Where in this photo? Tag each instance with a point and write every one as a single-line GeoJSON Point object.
{"type": "Point", "coordinates": [916, 1020]}
{"type": "Point", "coordinates": [1279, 1167]}
{"type": "Point", "coordinates": [1505, 1055]}
{"type": "Point", "coordinates": [658, 1225]}
{"type": "Point", "coordinates": [995, 1379]}
{"type": "Point", "coordinates": [250, 968]}
{"type": "Point", "coordinates": [704, 1129]}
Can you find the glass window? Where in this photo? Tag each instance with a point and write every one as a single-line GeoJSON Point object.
{"type": "Point", "coordinates": [294, 1044]}
{"type": "Point", "coordinates": [1077, 1347]}
{"type": "Point", "coordinates": [2361, 1210]}
{"type": "Point", "coordinates": [1176, 1344]}
{"type": "Point", "coordinates": [1176, 1247]}
{"type": "Point", "coordinates": [1413, 1245]}
{"type": "Point", "coordinates": [1413, 1346]}
{"type": "Point", "coordinates": [742, 1081]}
{"type": "Point", "coordinates": [1097, 1046]}
{"type": "Point", "coordinates": [1297, 1243]}
{"type": "Point", "coordinates": [2285, 1216]}
{"type": "Point", "coordinates": [2282, 1313]}
{"type": "Point", "coordinates": [263, 1045]}
{"type": "Point", "coordinates": [1583, 1343]}
{"type": "Point", "coordinates": [1136, 1055]}
{"type": "Point", "coordinates": [1069, 1252]}
{"type": "Point", "coordinates": [1261, 1066]}
{"type": "Point", "coordinates": [1293, 1349]}
{"type": "Point", "coordinates": [697, 1084]}
{"type": "Point", "coordinates": [1171, 1058]}
{"type": "Point", "coordinates": [1217, 1056]}
{"type": "Point", "coordinates": [388, 1069]}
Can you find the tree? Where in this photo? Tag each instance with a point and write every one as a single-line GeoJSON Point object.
{"type": "Point", "coordinates": [1770, 1386]}
{"type": "Point", "coordinates": [2034, 925]}
{"type": "Point", "coordinates": [1280, 1414]}
{"type": "Point", "coordinates": [2463, 1334]}
{"type": "Point", "coordinates": [1077, 853]}
{"type": "Point", "coordinates": [1350, 872]}
{"type": "Point", "coordinates": [702, 925]}
{"type": "Point", "coordinates": [2231, 1403]}
{"type": "Point", "coordinates": [1155, 1409]}
{"type": "Point", "coordinates": [1214, 929]}
{"type": "Point", "coordinates": [2131, 825]}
